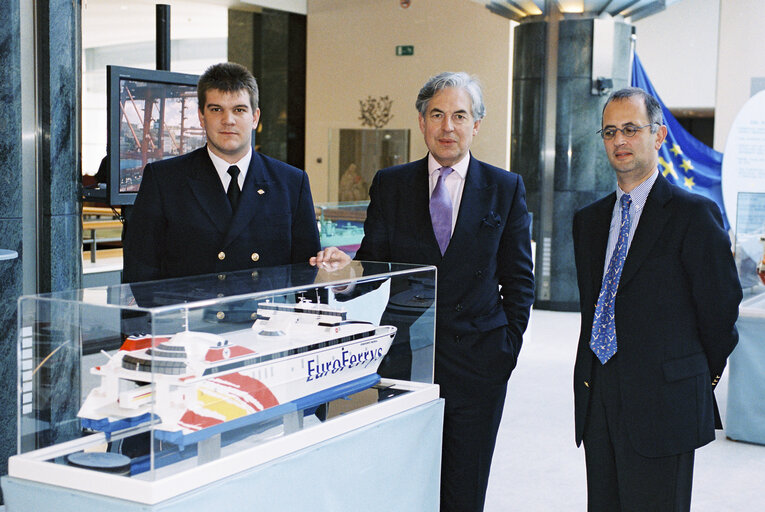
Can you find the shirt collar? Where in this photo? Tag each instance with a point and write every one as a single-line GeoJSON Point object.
{"type": "Point", "coordinates": [460, 167]}
{"type": "Point", "coordinates": [221, 166]}
{"type": "Point", "coordinates": [639, 194]}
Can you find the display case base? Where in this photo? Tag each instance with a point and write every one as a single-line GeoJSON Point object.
{"type": "Point", "coordinates": [745, 418]}
{"type": "Point", "coordinates": [384, 457]}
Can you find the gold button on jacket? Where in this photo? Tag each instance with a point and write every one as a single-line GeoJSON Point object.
{"type": "Point", "coordinates": [255, 256]}
{"type": "Point", "coordinates": [221, 255]}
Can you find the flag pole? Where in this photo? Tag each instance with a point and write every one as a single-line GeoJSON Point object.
{"type": "Point", "coordinates": [633, 45]}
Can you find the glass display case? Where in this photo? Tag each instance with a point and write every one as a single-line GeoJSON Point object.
{"type": "Point", "coordinates": [342, 224]}
{"type": "Point", "coordinates": [155, 383]}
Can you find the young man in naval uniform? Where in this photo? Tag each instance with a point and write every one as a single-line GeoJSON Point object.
{"type": "Point", "coordinates": [222, 207]}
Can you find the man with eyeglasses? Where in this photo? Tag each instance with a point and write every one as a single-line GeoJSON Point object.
{"type": "Point", "coordinates": [659, 298]}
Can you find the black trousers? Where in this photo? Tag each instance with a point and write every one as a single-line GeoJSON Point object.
{"type": "Point", "coordinates": [470, 433]}
{"type": "Point", "coordinates": [618, 478]}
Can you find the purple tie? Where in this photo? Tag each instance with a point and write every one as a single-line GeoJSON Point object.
{"type": "Point", "coordinates": [441, 210]}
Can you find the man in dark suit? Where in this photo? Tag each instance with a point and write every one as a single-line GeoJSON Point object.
{"type": "Point", "coordinates": [659, 299]}
{"type": "Point", "coordinates": [485, 285]}
{"type": "Point", "coordinates": [222, 207]}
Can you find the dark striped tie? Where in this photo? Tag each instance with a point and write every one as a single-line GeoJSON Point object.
{"type": "Point", "coordinates": [233, 192]}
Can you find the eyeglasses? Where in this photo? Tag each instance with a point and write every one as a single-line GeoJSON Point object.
{"type": "Point", "coordinates": [629, 131]}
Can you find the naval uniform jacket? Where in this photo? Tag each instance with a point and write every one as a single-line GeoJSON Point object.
{"type": "Point", "coordinates": [676, 306]}
{"type": "Point", "coordinates": [485, 284]}
{"type": "Point", "coordinates": [182, 223]}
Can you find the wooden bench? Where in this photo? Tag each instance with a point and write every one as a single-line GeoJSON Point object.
{"type": "Point", "coordinates": [95, 219]}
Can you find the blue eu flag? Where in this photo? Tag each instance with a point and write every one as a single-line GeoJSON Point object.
{"type": "Point", "coordinates": [683, 159]}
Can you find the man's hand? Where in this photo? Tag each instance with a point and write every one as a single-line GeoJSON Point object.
{"type": "Point", "coordinates": [330, 258]}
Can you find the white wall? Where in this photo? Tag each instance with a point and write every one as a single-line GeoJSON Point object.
{"type": "Point", "coordinates": [678, 49]}
{"type": "Point", "coordinates": [704, 54]}
{"type": "Point", "coordinates": [742, 57]}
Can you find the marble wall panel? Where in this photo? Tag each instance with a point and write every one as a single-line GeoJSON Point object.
{"type": "Point", "coordinates": [62, 241]}
{"type": "Point", "coordinates": [272, 45]}
{"type": "Point", "coordinates": [582, 172]}
{"type": "Point", "coordinates": [60, 237]}
{"type": "Point", "coordinates": [529, 50]}
{"type": "Point", "coordinates": [10, 289]}
{"type": "Point", "coordinates": [10, 111]}
{"type": "Point", "coordinates": [580, 159]}
{"type": "Point", "coordinates": [58, 247]}
{"type": "Point", "coordinates": [10, 219]}
{"type": "Point", "coordinates": [527, 124]}
{"type": "Point", "coordinates": [575, 48]}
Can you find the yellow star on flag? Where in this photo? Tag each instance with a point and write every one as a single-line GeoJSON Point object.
{"type": "Point", "coordinates": [686, 165]}
{"type": "Point", "coordinates": [676, 149]}
{"type": "Point", "coordinates": [668, 167]}
{"type": "Point", "coordinates": [689, 182]}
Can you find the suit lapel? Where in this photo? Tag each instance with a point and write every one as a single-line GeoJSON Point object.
{"type": "Point", "coordinates": [418, 189]}
{"type": "Point", "coordinates": [599, 227]}
{"type": "Point", "coordinates": [649, 228]}
{"type": "Point", "coordinates": [207, 189]}
{"type": "Point", "coordinates": [254, 191]}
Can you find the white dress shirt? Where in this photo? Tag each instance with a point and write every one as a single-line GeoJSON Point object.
{"type": "Point", "coordinates": [221, 166]}
{"type": "Point", "coordinates": [639, 196]}
{"type": "Point", "coordinates": [455, 182]}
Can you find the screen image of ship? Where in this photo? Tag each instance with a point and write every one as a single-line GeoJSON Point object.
{"type": "Point", "coordinates": [191, 381]}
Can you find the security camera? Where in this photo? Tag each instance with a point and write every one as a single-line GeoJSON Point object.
{"type": "Point", "coordinates": [602, 86]}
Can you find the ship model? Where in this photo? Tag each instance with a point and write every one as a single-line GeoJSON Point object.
{"type": "Point", "coordinates": [195, 382]}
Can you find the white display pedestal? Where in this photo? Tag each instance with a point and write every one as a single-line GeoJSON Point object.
{"type": "Point", "coordinates": [745, 417]}
{"type": "Point", "coordinates": [390, 464]}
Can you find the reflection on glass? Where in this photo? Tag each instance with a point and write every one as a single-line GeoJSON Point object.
{"type": "Point", "coordinates": [750, 241]}
{"type": "Point", "coordinates": [159, 377]}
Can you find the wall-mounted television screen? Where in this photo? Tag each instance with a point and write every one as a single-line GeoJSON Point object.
{"type": "Point", "coordinates": [152, 115]}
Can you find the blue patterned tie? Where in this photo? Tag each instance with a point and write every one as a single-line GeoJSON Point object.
{"type": "Point", "coordinates": [441, 210]}
{"type": "Point", "coordinates": [603, 340]}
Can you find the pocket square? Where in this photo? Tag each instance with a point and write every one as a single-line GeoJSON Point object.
{"type": "Point", "coordinates": [492, 220]}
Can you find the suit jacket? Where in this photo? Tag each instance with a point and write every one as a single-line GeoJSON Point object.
{"type": "Point", "coordinates": [676, 307]}
{"type": "Point", "coordinates": [485, 284]}
{"type": "Point", "coordinates": [182, 223]}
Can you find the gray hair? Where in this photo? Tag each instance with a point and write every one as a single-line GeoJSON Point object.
{"type": "Point", "coordinates": [459, 80]}
{"type": "Point", "coordinates": [652, 106]}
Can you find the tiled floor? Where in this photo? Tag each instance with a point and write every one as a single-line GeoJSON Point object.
{"type": "Point", "coordinates": [537, 466]}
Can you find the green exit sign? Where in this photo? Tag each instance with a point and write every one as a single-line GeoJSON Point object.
{"type": "Point", "coordinates": [404, 50]}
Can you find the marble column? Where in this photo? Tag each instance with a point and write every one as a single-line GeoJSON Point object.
{"type": "Point", "coordinates": [271, 44]}
{"type": "Point", "coordinates": [59, 197]}
{"type": "Point", "coordinates": [582, 173]}
{"type": "Point", "coordinates": [55, 216]}
{"type": "Point", "coordinates": [10, 219]}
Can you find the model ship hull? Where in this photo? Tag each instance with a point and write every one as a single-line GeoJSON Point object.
{"type": "Point", "coordinates": [194, 381]}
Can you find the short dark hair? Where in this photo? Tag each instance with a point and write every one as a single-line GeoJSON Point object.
{"type": "Point", "coordinates": [652, 106]}
{"type": "Point", "coordinates": [227, 77]}
{"type": "Point", "coordinates": [459, 80]}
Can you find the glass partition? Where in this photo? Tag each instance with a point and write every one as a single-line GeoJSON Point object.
{"type": "Point", "coordinates": [150, 380]}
